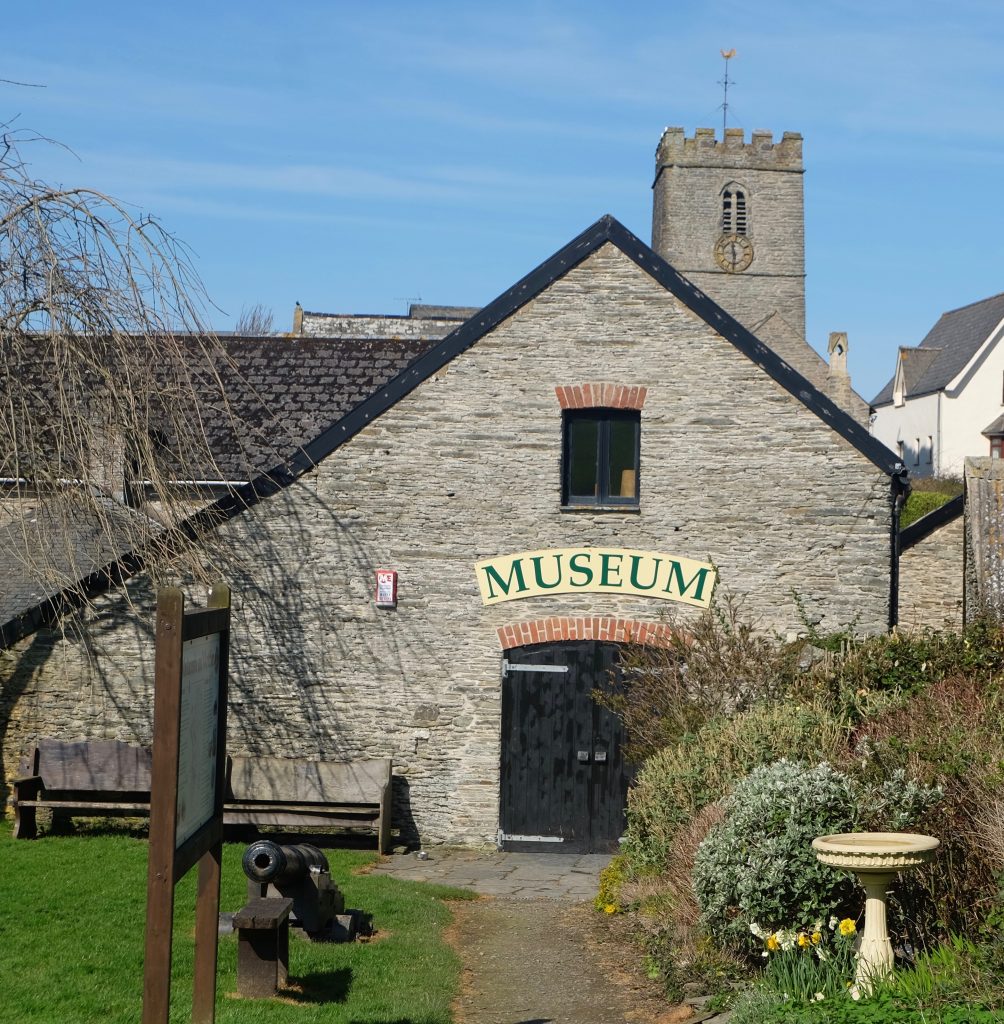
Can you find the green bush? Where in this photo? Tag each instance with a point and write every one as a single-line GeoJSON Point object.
{"type": "Point", "coordinates": [703, 766]}
{"type": "Point", "coordinates": [919, 504]}
{"type": "Point", "coordinates": [718, 663]}
{"type": "Point", "coordinates": [877, 671]}
{"type": "Point", "coordinates": [758, 866]}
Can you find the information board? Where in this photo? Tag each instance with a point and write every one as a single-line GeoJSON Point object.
{"type": "Point", "coordinates": [200, 709]}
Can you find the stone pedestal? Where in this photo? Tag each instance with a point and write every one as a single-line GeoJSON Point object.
{"type": "Point", "coordinates": [876, 858]}
{"type": "Point", "coordinates": [262, 947]}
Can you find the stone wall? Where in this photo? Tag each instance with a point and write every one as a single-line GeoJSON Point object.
{"type": "Point", "coordinates": [984, 533]}
{"type": "Point", "coordinates": [431, 322]}
{"type": "Point", "coordinates": [930, 580]}
{"type": "Point", "coordinates": [734, 469]}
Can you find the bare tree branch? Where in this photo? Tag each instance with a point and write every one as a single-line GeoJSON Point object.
{"type": "Point", "coordinates": [107, 376]}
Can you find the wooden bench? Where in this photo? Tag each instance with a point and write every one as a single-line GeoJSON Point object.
{"type": "Point", "coordinates": [291, 792]}
{"type": "Point", "coordinates": [99, 778]}
{"type": "Point", "coordinates": [86, 777]}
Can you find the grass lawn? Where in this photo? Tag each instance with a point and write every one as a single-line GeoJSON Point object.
{"type": "Point", "coordinates": [72, 912]}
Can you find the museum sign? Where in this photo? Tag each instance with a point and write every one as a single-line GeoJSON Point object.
{"type": "Point", "coordinates": [621, 571]}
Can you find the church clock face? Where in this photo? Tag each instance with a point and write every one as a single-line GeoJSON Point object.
{"type": "Point", "coordinates": [733, 253]}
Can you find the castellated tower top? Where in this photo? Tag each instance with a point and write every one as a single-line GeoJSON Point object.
{"type": "Point", "coordinates": [728, 214]}
{"type": "Point", "coordinates": [706, 150]}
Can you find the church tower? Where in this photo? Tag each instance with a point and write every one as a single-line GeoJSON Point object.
{"type": "Point", "coordinates": [729, 215]}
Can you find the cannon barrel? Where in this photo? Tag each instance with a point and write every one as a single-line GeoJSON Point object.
{"type": "Point", "coordinates": [265, 861]}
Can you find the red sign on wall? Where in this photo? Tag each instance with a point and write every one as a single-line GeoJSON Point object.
{"type": "Point", "coordinates": [386, 588]}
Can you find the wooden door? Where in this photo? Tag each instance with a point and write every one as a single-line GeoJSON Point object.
{"type": "Point", "coordinates": [563, 777]}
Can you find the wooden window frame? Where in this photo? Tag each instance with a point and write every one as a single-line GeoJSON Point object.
{"type": "Point", "coordinates": [603, 417]}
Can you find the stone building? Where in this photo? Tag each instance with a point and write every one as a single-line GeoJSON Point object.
{"type": "Point", "coordinates": [449, 561]}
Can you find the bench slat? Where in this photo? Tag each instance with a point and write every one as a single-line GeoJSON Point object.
{"type": "Point", "coordinates": [273, 805]}
{"type": "Point", "coordinates": [285, 780]}
{"type": "Point", "coordinates": [107, 765]}
{"type": "Point", "coordinates": [105, 805]}
{"type": "Point", "coordinates": [239, 817]}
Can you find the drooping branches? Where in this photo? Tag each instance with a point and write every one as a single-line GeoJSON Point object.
{"type": "Point", "coordinates": [110, 384]}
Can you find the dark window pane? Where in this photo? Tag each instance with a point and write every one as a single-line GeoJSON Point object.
{"type": "Point", "coordinates": [623, 478]}
{"type": "Point", "coordinates": [583, 457]}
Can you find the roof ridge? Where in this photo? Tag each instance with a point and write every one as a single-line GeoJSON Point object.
{"type": "Point", "coordinates": [977, 302]}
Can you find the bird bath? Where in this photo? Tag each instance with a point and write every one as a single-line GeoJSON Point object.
{"type": "Point", "coordinates": [876, 858]}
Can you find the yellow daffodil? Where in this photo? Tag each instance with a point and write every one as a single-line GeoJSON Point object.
{"type": "Point", "coordinates": [803, 940]}
{"type": "Point", "coordinates": [772, 944]}
{"type": "Point", "coordinates": [847, 927]}
{"type": "Point", "coordinates": [817, 938]}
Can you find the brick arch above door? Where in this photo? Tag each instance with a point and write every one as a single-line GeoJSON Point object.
{"type": "Point", "coordinates": [594, 627]}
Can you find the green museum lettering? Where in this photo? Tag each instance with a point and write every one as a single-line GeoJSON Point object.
{"type": "Point", "coordinates": [538, 574]}
{"type": "Point", "coordinates": [681, 588]}
{"type": "Point", "coordinates": [574, 563]}
{"type": "Point", "coordinates": [606, 557]}
{"type": "Point", "coordinates": [636, 561]}
{"type": "Point", "coordinates": [516, 569]}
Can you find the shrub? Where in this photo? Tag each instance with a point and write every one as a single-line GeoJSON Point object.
{"type": "Point", "coordinates": [612, 877]}
{"type": "Point", "coordinates": [873, 673]}
{"type": "Point", "coordinates": [919, 504]}
{"type": "Point", "coordinates": [758, 866]}
{"type": "Point", "coordinates": [703, 766]}
{"type": "Point", "coordinates": [718, 664]}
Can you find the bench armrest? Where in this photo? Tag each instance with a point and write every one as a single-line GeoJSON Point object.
{"type": "Point", "coordinates": [27, 787]}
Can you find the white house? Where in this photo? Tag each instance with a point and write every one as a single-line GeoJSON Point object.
{"type": "Point", "coordinates": [946, 398]}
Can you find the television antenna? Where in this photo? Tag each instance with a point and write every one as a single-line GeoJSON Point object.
{"type": "Point", "coordinates": [408, 300]}
{"type": "Point", "coordinates": [726, 82]}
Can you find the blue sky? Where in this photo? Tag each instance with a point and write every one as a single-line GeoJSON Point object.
{"type": "Point", "coordinates": [353, 156]}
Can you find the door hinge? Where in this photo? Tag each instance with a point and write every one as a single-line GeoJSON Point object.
{"type": "Point", "coordinates": [505, 837]}
{"type": "Point", "coordinates": [508, 666]}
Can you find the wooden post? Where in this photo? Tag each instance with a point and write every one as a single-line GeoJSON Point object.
{"type": "Point", "coordinates": [207, 902]}
{"type": "Point", "coordinates": [181, 838]}
{"type": "Point", "coordinates": [163, 807]}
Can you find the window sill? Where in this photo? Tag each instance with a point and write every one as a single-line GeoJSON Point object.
{"type": "Point", "coordinates": [629, 509]}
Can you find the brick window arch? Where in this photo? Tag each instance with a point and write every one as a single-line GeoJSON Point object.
{"type": "Point", "coordinates": [589, 627]}
{"type": "Point", "coordinates": [601, 395]}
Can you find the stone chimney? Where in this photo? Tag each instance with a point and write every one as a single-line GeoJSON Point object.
{"type": "Point", "coordinates": [838, 380]}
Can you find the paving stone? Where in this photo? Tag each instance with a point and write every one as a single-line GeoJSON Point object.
{"type": "Point", "coordinates": [519, 875]}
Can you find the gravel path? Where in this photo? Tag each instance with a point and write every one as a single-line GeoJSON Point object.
{"type": "Point", "coordinates": [540, 961]}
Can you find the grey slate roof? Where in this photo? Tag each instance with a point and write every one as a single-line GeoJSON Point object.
{"type": "Point", "coordinates": [75, 548]}
{"type": "Point", "coordinates": [284, 391]}
{"type": "Point", "coordinates": [996, 429]}
{"type": "Point", "coordinates": [956, 336]}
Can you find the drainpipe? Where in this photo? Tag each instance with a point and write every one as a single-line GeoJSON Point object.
{"type": "Point", "coordinates": [900, 485]}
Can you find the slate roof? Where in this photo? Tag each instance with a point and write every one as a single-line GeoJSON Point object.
{"type": "Point", "coordinates": [284, 391]}
{"type": "Point", "coordinates": [390, 375]}
{"type": "Point", "coordinates": [956, 338]}
{"type": "Point", "coordinates": [996, 429]}
{"type": "Point", "coordinates": [75, 548]}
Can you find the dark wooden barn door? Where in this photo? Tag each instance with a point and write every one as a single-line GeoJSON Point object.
{"type": "Point", "coordinates": [564, 780]}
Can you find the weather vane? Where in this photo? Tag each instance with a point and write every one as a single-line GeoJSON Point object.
{"type": "Point", "coordinates": [726, 81]}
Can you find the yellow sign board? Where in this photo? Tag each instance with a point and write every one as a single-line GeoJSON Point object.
{"type": "Point", "coordinates": [651, 574]}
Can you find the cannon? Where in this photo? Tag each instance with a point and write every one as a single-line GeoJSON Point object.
{"type": "Point", "coordinates": [299, 872]}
